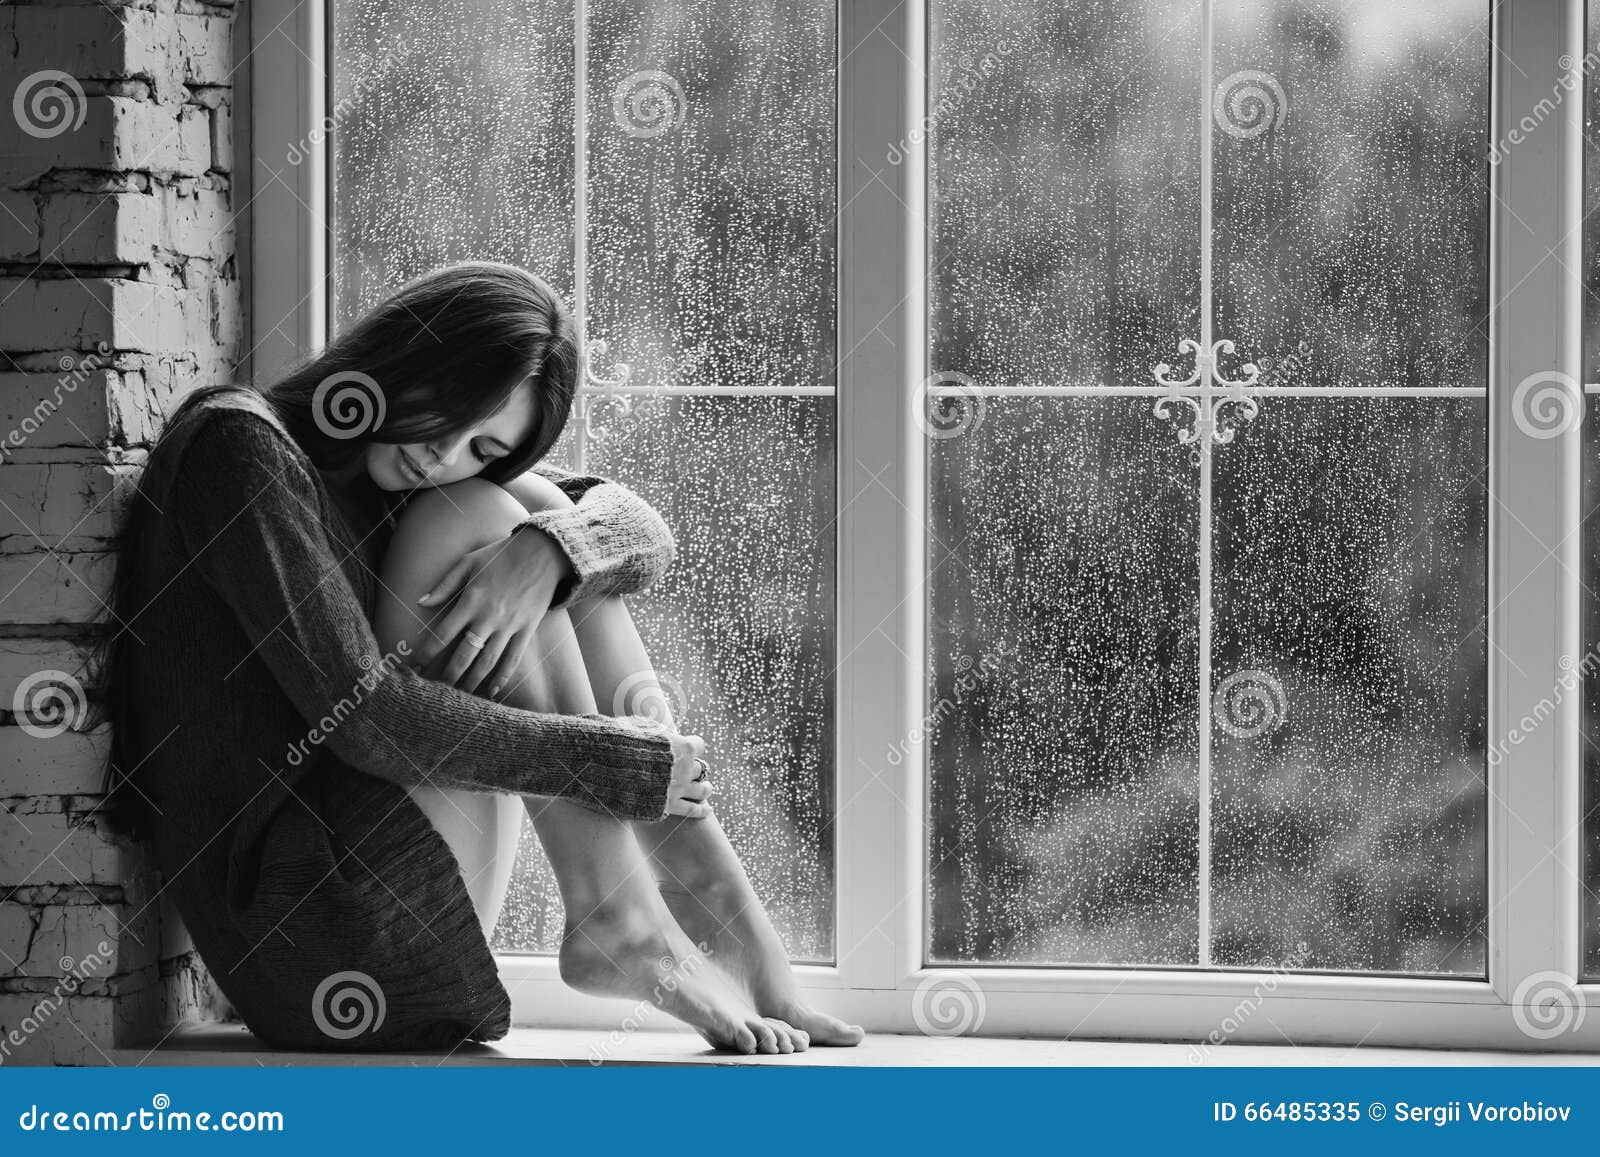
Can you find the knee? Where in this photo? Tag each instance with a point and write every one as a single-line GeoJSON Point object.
{"type": "Point", "coordinates": [472, 509]}
{"type": "Point", "coordinates": [537, 493]}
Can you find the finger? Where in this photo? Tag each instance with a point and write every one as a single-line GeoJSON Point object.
{"type": "Point", "coordinates": [688, 810]}
{"type": "Point", "coordinates": [697, 792]}
{"type": "Point", "coordinates": [488, 659]}
{"type": "Point", "coordinates": [444, 634]}
{"type": "Point", "coordinates": [449, 584]}
{"type": "Point", "coordinates": [513, 662]}
{"type": "Point", "coordinates": [465, 655]}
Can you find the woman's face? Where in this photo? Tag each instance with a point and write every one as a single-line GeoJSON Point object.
{"type": "Point", "coordinates": [452, 457]}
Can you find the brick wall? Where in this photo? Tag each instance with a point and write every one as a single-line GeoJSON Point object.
{"type": "Point", "coordinates": [119, 292]}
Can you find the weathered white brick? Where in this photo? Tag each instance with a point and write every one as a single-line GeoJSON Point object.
{"type": "Point", "coordinates": [222, 138]}
{"type": "Point", "coordinates": [72, 763]}
{"type": "Point", "coordinates": [57, 1027]}
{"type": "Point", "coordinates": [82, 313]}
{"type": "Point", "coordinates": [117, 133]}
{"type": "Point", "coordinates": [99, 229]}
{"type": "Point", "coordinates": [55, 847]}
{"type": "Point", "coordinates": [19, 226]}
{"type": "Point", "coordinates": [55, 587]}
{"type": "Point", "coordinates": [21, 656]}
{"type": "Point", "coordinates": [92, 941]}
{"type": "Point", "coordinates": [73, 505]}
{"type": "Point", "coordinates": [65, 409]}
{"type": "Point", "coordinates": [84, 41]}
{"type": "Point", "coordinates": [205, 44]}
{"type": "Point", "coordinates": [197, 225]}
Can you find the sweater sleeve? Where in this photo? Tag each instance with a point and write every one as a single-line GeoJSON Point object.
{"type": "Point", "coordinates": [616, 541]}
{"type": "Point", "coordinates": [249, 514]}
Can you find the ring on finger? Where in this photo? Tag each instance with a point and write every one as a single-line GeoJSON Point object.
{"type": "Point", "coordinates": [476, 641]}
{"type": "Point", "coordinates": [705, 770]}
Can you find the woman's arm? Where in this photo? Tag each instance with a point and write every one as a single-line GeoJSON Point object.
{"type": "Point", "coordinates": [615, 540]}
{"type": "Point", "coordinates": [249, 515]}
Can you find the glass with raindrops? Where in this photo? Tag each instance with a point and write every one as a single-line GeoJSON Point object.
{"type": "Point", "coordinates": [1206, 623]}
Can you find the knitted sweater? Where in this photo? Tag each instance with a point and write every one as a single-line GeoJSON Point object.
{"type": "Point", "coordinates": [276, 741]}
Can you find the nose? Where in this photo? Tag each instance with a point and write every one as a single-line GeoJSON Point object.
{"type": "Point", "coordinates": [444, 450]}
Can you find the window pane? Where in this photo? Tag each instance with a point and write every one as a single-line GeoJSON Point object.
{"type": "Point", "coordinates": [1066, 180]}
{"type": "Point", "coordinates": [1352, 213]}
{"type": "Point", "coordinates": [1350, 594]}
{"type": "Point", "coordinates": [711, 189]}
{"type": "Point", "coordinates": [454, 143]}
{"type": "Point", "coordinates": [1062, 705]}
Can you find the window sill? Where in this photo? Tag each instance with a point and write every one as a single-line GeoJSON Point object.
{"type": "Point", "coordinates": [231, 1045]}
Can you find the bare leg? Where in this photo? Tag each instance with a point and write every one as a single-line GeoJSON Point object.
{"type": "Point", "coordinates": [620, 938]}
{"type": "Point", "coordinates": [697, 870]}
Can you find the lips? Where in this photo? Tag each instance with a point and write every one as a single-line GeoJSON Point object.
{"type": "Point", "coordinates": [409, 468]}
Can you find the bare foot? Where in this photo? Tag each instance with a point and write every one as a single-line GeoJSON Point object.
{"type": "Point", "coordinates": [618, 951]}
{"type": "Point", "coordinates": [745, 946]}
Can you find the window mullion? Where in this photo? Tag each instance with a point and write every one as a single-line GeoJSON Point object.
{"type": "Point", "coordinates": [1536, 261]}
{"type": "Point", "coordinates": [881, 343]}
{"type": "Point", "coordinates": [289, 208]}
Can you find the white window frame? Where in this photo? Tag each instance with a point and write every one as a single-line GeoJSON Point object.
{"type": "Point", "coordinates": [1535, 846]}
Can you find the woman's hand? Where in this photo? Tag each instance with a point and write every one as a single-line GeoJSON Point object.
{"type": "Point", "coordinates": [501, 593]}
{"type": "Point", "coordinates": [690, 789]}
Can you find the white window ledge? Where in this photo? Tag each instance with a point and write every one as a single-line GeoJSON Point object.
{"type": "Point", "coordinates": [230, 1045]}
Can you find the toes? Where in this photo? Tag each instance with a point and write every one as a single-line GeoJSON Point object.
{"type": "Point", "coordinates": [784, 1034]}
{"type": "Point", "coordinates": [766, 1038]}
{"type": "Point", "coordinates": [744, 1040]}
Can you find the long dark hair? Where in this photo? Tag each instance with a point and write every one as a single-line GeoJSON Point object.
{"type": "Point", "coordinates": [440, 354]}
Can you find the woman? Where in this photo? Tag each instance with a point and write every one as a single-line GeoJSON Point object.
{"type": "Point", "coordinates": [352, 644]}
